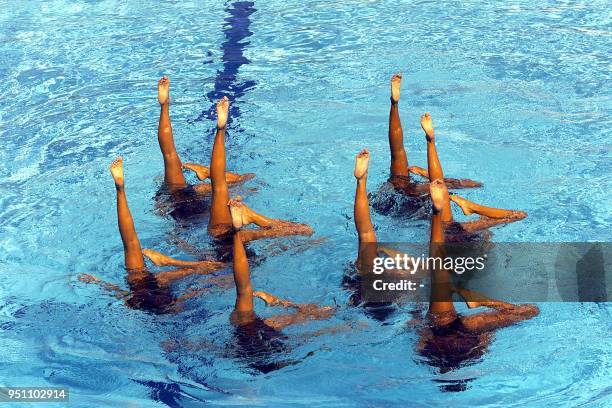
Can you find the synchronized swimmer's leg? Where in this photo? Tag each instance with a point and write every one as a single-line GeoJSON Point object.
{"type": "Point", "coordinates": [220, 218]}
{"type": "Point", "coordinates": [489, 216]}
{"type": "Point", "coordinates": [203, 172]}
{"type": "Point", "coordinates": [361, 213]}
{"type": "Point", "coordinates": [434, 168]}
{"type": "Point", "coordinates": [166, 278]}
{"type": "Point", "coordinates": [451, 183]}
{"type": "Point", "coordinates": [173, 173]}
{"type": "Point", "coordinates": [242, 277]}
{"type": "Point", "coordinates": [269, 227]}
{"type": "Point", "coordinates": [503, 315]}
{"type": "Point", "coordinates": [469, 207]}
{"type": "Point", "coordinates": [131, 245]}
{"type": "Point", "coordinates": [441, 307]}
{"type": "Point", "coordinates": [302, 312]}
{"type": "Point", "coordinates": [160, 259]}
{"type": "Point", "coordinates": [111, 288]}
{"type": "Point", "coordinates": [440, 201]}
{"type": "Point", "coordinates": [399, 160]}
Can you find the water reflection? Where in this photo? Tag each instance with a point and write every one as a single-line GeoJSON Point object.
{"type": "Point", "coordinates": [236, 29]}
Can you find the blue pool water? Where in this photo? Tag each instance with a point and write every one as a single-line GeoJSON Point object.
{"type": "Point", "coordinates": [520, 95]}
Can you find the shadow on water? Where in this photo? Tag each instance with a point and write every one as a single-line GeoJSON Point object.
{"type": "Point", "coordinates": [236, 30]}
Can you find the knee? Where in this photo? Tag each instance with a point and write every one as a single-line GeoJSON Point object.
{"type": "Point", "coordinates": [368, 236]}
{"type": "Point", "coordinates": [398, 151]}
{"type": "Point", "coordinates": [170, 156]}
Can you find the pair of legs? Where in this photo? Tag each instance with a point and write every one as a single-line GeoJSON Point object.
{"type": "Point", "coordinates": [441, 305]}
{"type": "Point", "coordinates": [361, 213]}
{"type": "Point", "coordinates": [368, 248]}
{"type": "Point", "coordinates": [143, 284]}
{"type": "Point", "coordinates": [400, 170]}
{"type": "Point", "coordinates": [449, 339]}
{"type": "Point", "coordinates": [173, 167]}
{"type": "Point", "coordinates": [489, 216]}
{"type": "Point", "coordinates": [244, 311]}
{"type": "Point", "coordinates": [221, 221]}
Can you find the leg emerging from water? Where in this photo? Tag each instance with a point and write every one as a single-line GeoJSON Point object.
{"type": "Point", "coordinates": [220, 218]}
{"type": "Point", "coordinates": [268, 227]}
{"type": "Point", "coordinates": [441, 307]}
{"type": "Point", "coordinates": [399, 160]}
{"type": "Point", "coordinates": [242, 277]}
{"type": "Point", "coordinates": [434, 168]}
{"type": "Point", "coordinates": [173, 173]}
{"type": "Point", "coordinates": [244, 308]}
{"type": "Point", "coordinates": [361, 212]}
{"type": "Point", "coordinates": [131, 245]}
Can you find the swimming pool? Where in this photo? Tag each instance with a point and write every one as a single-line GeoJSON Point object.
{"type": "Point", "coordinates": [521, 100]}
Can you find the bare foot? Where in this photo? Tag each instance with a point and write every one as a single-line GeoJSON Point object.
{"type": "Point", "coordinates": [396, 83]}
{"type": "Point", "coordinates": [163, 90]}
{"type": "Point", "coordinates": [316, 312]}
{"type": "Point", "coordinates": [202, 172]}
{"type": "Point", "coordinates": [462, 203]}
{"type": "Point", "coordinates": [272, 300]}
{"type": "Point", "coordinates": [427, 125]}
{"type": "Point", "coordinates": [157, 258]}
{"type": "Point", "coordinates": [222, 111]}
{"type": "Point", "coordinates": [519, 215]}
{"type": "Point", "coordinates": [438, 192]}
{"type": "Point", "coordinates": [236, 209]}
{"type": "Point", "coordinates": [361, 164]}
{"type": "Point", "coordinates": [116, 169]}
{"type": "Point", "coordinates": [87, 278]}
{"type": "Point", "coordinates": [233, 178]}
{"type": "Point", "coordinates": [243, 215]}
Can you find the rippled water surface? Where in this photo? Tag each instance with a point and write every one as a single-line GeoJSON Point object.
{"type": "Point", "coordinates": [520, 95]}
